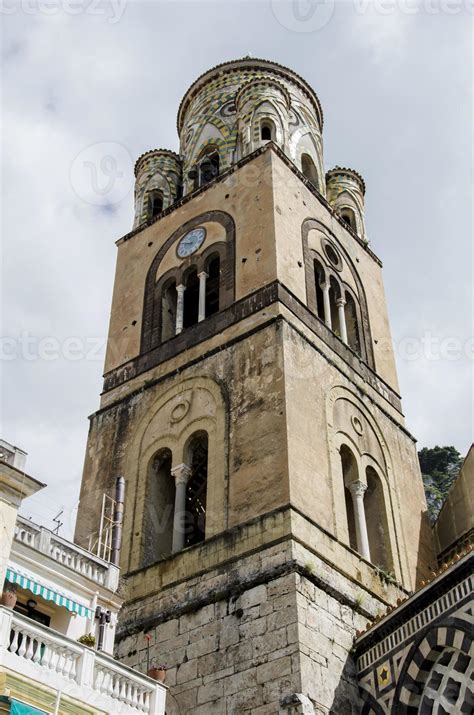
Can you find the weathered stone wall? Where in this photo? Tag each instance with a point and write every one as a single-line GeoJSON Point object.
{"type": "Point", "coordinates": [267, 634]}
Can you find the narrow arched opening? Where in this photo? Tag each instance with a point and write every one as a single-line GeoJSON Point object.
{"type": "Point", "coordinates": [155, 204]}
{"type": "Point", "coordinates": [334, 294]}
{"type": "Point", "coordinates": [319, 279]}
{"type": "Point", "coordinates": [352, 325]}
{"type": "Point", "coordinates": [267, 130]}
{"type": "Point", "coordinates": [208, 168]}
{"type": "Point", "coordinates": [196, 490]}
{"type": "Point", "coordinates": [350, 475]}
{"type": "Point", "coordinates": [377, 523]}
{"type": "Point", "coordinates": [348, 216]}
{"type": "Point", "coordinates": [309, 169]}
{"type": "Point", "coordinates": [213, 285]}
{"type": "Point", "coordinates": [159, 509]}
{"type": "Point", "coordinates": [191, 299]}
{"type": "Point", "coordinates": [168, 310]}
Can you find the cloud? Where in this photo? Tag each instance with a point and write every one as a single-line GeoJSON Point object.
{"type": "Point", "coordinates": [388, 86]}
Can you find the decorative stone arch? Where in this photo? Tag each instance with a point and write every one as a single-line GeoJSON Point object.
{"type": "Point", "coordinates": [190, 406]}
{"type": "Point", "coordinates": [260, 115]}
{"type": "Point", "coordinates": [151, 324]}
{"type": "Point", "coordinates": [448, 634]}
{"type": "Point", "coordinates": [367, 352]}
{"type": "Point", "coordinates": [385, 470]}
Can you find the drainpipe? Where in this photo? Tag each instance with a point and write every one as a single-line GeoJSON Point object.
{"type": "Point", "coordinates": [118, 520]}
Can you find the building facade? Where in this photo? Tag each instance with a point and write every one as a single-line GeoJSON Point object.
{"type": "Point", "coordinates": [57, 620]}
{"type": "Point", "coordinates": [274, 501]}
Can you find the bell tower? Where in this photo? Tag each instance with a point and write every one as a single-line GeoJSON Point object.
{"type": "Point", "coordinates": [273, 499]}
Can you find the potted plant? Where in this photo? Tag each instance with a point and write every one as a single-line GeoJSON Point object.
{"type": "Point", "coordinates": [9, 594]}
{"type": "Point", "coordinates": [157, 672]}
{"type": "Point", "coordinates": [87, 639]}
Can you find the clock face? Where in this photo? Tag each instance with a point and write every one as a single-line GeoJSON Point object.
{"type": "Point", "coordinates": [191, 242]}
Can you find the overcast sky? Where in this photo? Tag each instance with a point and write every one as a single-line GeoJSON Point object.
{"type": "Point", "coordinates": [82, 82]}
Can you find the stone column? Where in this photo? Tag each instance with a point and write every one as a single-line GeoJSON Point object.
{"type": "Point", "coordinates": [202, 295]}
{"type": "Point", "coordinates": [327, 305]}
{"type": "Point", "coordinates": [181, 474]}
{"type": "Point", "coordinates": [341, 302]}
{"type": "Point", "coordinates": [358, 490]}
{"type": "Point", "coordinates": [180, 308]}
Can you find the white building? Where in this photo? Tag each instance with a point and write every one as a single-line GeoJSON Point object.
{"type": "Point", "coordinates": [61, 592]}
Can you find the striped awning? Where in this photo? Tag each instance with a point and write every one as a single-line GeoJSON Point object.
{"type": "Point", "coordinates": [38, 589]}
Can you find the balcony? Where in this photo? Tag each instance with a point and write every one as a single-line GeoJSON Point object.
{"type": "Point", "coordinates": [42, 655]}
{"type": "Point", "coordinates": [66, 553]}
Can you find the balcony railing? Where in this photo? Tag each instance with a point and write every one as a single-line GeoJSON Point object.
{"type": "Point", "coordinates": [42, 655]}
{"type": "Point", "coordinates": [67, 553]}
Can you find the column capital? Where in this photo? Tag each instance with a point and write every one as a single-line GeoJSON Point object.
{"type": "Point", "coordinates": [325, 286]}
{"type": "Point", "coordinates": [340, 302]}
{"type": "Point", "coordinates": [203, 275]}
{"type": "Point", "coordinates": [181, 473]}
{"type": "Point", "coordinates": [181, 288]}
{"type": "Point", "coordinates": [358, 488]}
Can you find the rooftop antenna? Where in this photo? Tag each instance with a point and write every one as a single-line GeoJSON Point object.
{"type": "Point", "coordinates": [58, 522]}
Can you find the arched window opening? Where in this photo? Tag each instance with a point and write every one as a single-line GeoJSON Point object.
{"type": "Point", "coordinates": [208, 168]}
{"type": "Point", "coordinates": [377, 524]}
{"type": "Point", "coordinates": [309, 169]}
{"type": "Point", "coordinates": [159, 509]}
{"type": "Point", "coordinates": [348, 216]}
{"type": "Point", "coordinates": [334, 294]}
{"type": "Point", "coordinates": [319, 279]}
{"type": "Point", "coordinates": [191, 300]}
{"type": "Point", "coordinates": [267, 131]}
{"type": "Point", "coordinates": [155, 204]}
{"type": "Point", "coordinates": [213, 285]}
{"type": "Point", "coordinates": [352, 323]}
{"type": "Point", "coordinates": [168, 311]}
{"type": "Point", "coordinates": [350, 519]}
{"type": "Point", "coordinates": [350, 475]}
{"type": "Point", "coordinates": [196, 491]}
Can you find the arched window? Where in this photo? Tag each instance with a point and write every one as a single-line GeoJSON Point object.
{"type": "Point", "coordinates": [348, 216]}
{"type": "Point", "coordinates": [155, 204]}
{"type": "Point", "coordinates": [213, 285]}
{"type": "Point", "coordinates": [196, 490]}
{"type": "Point", "coordinates": [168, 310]}
{"type": "Point", "coordinates": [334, 294]}
{"type": "Point", "coordinates": [350, 475]}
{"type": "Point", "coordinates": [208, 168]}
{"type": "Point", "coordinates": [191, 299]}
{"type": "Point", "coordinates": [376, 519]}
{"type": "Point", "coordinates": [319, 278]}
{"type": "Point", "coordinates": [352, 324]}
{"type": "Point", "coordinates": [309, 169]}
{"type": "Point", "coordinates": [159, 509]}
{"type": "Point", "coordinates": [267, 131]}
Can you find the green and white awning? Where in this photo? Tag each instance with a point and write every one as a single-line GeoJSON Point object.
{"type": "Point", "coordinates": [32, 584]}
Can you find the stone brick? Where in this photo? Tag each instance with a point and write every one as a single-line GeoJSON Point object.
{"type": "Point", "coordinates": [186, 700]}
{"type": "Point", "coordinates": [269, 642]}
{"type": "Point", "coordinates": [274, 670]}
{"type": "Point", "coordinates": [187, 671]}
{"type": "Point", "coordinates": [244, 701]}
{"type": "Point", "coordinates": [207, 645]}
{"type": "Point", "coordinates": [211, 691]}
{"type": "Point", "coordinates": [254, 597]}
{"type": "Point", "coordinates": [239, 681]}
{"type": "Point", "coordinates": [167, 630]}
{"type": "Point", "coordinates": [196, 619]}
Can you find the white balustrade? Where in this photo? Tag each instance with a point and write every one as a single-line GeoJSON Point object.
{"type": "Point", "coordinates": [50, 658]}
{"type": "Point", "coordinates": [64, 552]}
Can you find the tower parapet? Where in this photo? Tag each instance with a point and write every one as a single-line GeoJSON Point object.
{"type": "Point", "coordinates": [346, 192]}
{"type": "Point", "coordinates": [157, 184]}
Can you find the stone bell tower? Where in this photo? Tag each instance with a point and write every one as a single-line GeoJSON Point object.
{"type": "Point", "coordinates": [273, 501]}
